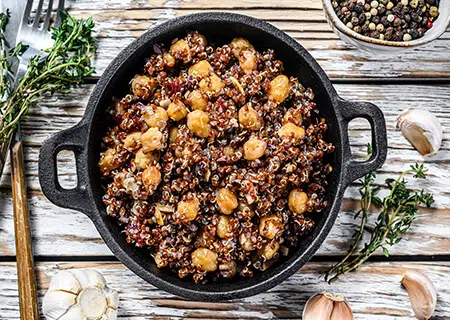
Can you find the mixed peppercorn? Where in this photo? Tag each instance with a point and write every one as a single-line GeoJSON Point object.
{"type": "Point", "coordinates": [391, 20]}
{"type": "Point", "coordinates": [216, 160]}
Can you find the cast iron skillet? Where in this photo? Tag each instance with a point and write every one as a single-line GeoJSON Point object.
{"type": "Point", "coordinates": [84, 140]}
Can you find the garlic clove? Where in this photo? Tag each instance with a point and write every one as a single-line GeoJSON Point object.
{"type": "Point", "coordinates": [318, 307]}
{"type": "Point", "coordinates": [56, 303]}
{"type": "Point", "coordinates": [111, 314]}
{"type": "Point", "coordinates": [421, 292]}
{"type": "Point", "coordinates": [74, 313]}
{"type": "Point", "coordinates": [112, 297]}
{"type": "Point", "coordinates": [342, 311]}
{"type": "Point", "coordinates": [422, 129]}
{"type": "Point", "coordinates": [88, 278]}
{"type": "Point", "coordinates": [66, 282]}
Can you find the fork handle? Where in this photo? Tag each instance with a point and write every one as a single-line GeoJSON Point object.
{"type": "Point", "coordinates": [25, 270]}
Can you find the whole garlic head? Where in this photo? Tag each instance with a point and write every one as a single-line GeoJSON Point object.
{"type": "Point", "coordinates": [80, 294]}
{"type": "Point", "coordinates": [422, 129]}
{"type": "Point", "coordinates": [326, 306]}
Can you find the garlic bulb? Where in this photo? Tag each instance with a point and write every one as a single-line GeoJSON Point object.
{"type": "Point", "coordinates": [80, 294]}
{"type": "Point", "coordinates": [421, 292]}
{"type": "Point", "coordinates": [422, 129]}
{"type": "Point", "coordinates": [326, 306]}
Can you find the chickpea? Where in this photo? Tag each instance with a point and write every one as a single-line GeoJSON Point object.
{"type": "Point", "coordinates": [155, 117]}
{"type": "Point", "coordinates": [270, 226]}
{"type": "Point", "coordinates": [246, 242]}
{"type": "Point", "coordinates": [179, 46]}
{"type": "Point", "coordinates": [204, 259]}
{"type": "Point", "coordinates": [188, 209]}
{"type": "Point", "coordinates": [152, 139]}
{"type": "Point", "coordinates": [196, 100]}
{"type": "Point", "coordinates": [177, 110]}
{"type": "Point", "coordinates": [228, 268]}
{"type": "Point", "coordinates": [132, 140]}
{"type": "Point", "coordinates": [238, 45]}
{"type": "Point", "coordinates": [169, 60]}
{"type": "Point", "coordinates": [254, 148]}
{"type": "Point", "coordinates": [249, 118]}
{"type": "Point", "coordinates": [143, 86]}
{"type": "Point", "coordinates": [202, 68]}
{"type": "Point", "coordinates": [269, 250]}
{"type": "Point", "coordinates": [226, 200]}
{"type": "Point", "coordinates": [223, 227]}
{"type": "Point", "coordinates": [151, 177]}
{"type": "Point", "coordinates": [212, 84]}
{"type": "Point", "coordinates": [142, 160]}
{"type": "Point", "coordinates": [247, 61]}
{"type": "Point", "coordinates": [279, 88]}
{"type": "Point", "coordinates": [198, 123]}
{"type": "Point", "coordinates": [291, 131]}
{"type": "Point", "coordinates": [297, 201]}
{"type": "Point", "coordinates": [173, 133]}
{"type": "Point", "coordinates": [293, 116]}
{"type": "Point", "coordinates": [107, 160]}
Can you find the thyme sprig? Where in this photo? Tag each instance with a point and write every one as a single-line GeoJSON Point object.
{"type": "Point", "coordinates": [55, 69]}
{"type": "Point", "coordinates": [397, 212]}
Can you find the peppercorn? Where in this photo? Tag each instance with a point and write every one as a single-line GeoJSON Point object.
{"type": "Point", "coordinates": [373, 12]}
{"type": "Point", "coordinates": [414, 33]}
{"type": "Point", "coordinates": [434, 11]}
{"type": "Point", "coordinates": [404, 2]}
{"type": "Point", "coordinates": [357, 29]}
{"type": "Point", "coordinates": [334, 4]}
{"type": "Point", "coordinates": [367, 7]}
{"type": "Point", "coordinates": [380, 28]}
{"type": "Point", "coordinates": [414, 3]}
{"type": "Point", "coordinates": [359, 8]}
{"type": "Point", "coordinates": [429, 25]}
{"type": "Point", "coordinates": [365, 29]}
{"type": "Point", "coordinates": [372, 26]}
{"type": "Point", "coordinates": [388, 34]}
{"type": "Point", "coordinates": [397, 22]}
{"type": "Point", "coordinates": [389, 5]}
{"type": "Point", "coordinates": [381, 10]}
{"type": "Point", "coordinates": [390, 18]}
{"type": "Point", "coordinates": [376, 19]}
{"type": "Point", "coordinates": [349, 25]}
{"type": "Point", "coordinates": [351, 6]}
{"type": "Point", "coordinates": [374, 4]}
{"type": "Point", "coordinates": [374, 34]}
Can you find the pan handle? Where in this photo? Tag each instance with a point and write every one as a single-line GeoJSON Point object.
{"type": "Point", "coordinates": [73, 139]}
{"type": "Point", "coordinates": [351, 110]}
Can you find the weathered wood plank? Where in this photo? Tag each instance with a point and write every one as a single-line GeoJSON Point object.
{"type": "Point", "coordinates": [378, 294]}
{"type": "Point", "coordinates": [77, 236]}
{"type": "Point", "coordinates": [119, 22]}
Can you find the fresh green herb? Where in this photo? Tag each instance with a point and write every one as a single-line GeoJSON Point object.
{"type": "Point", "coordinates": [397, 212]}
{"type": "Point", "coordinates": [56, 69]}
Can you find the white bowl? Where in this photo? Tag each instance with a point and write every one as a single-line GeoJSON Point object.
{"type": "Point", "coordinates": [383, 46]}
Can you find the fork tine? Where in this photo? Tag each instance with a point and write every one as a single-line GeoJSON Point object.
{"type": "Point", "coordinates": [27, 13]}
{"type": "Point", "coordinates": [37, 17]}
{"type": "Point", "coordinates": [48, 15]}
{"type": "Point", "coordinates": [58, 14]}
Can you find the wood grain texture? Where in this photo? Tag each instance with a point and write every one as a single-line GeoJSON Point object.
{"type": "Point", "coordinates": [24, 253]}
{"type": "Point", "coordinates": [374, 293]}
{"type": "Point", "coordinates": [120, 22]}
{"type": "Point", "coordinates": [77, 235]}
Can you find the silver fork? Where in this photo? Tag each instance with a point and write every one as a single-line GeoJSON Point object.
{"type": "Point", "coordinates": [38, 38]}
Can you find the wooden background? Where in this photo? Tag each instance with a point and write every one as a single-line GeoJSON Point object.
{"type": "Point", "coordinates": [419, 78]}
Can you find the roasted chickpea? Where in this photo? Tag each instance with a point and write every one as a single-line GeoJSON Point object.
{"type": "Point", "coordinates": [246, 242]}
{"type": "Point", "coordinates": [212, 84]}
{"type": "Point", "coordinates": [132, 140]}
{"type": "Point", "coordinates": [297, 201]}
{"type": "Point", "coordinates": [177, 110]}
{"type": "Point", "coordinates": [269, 249]}
{"type": "Point", "coordinates": [249, 118]}
{"type": "Point", "coordinates": [155, 117]}
{"type": "Point", "coordinates": [143, 86]}
{"type": "Point", "coordinates": [279, 88]}
{"type": "Point", "coordinates": [238, 45]}
{"type": "Point", "coordinates": [226, 200]}
{"type": "Point", "coordinates": [169, 60]}
{"type": "Point", "coordinates": [254, 148]}
{"type": "Point", "coordinates": [188, 209]}
{"type": "Point", "coordinates": [179, 46]}
{"type": "Point", "coordinates": [142, 160]}
{"type": "Point", "coordinates": [247, 61]}
{"type": "Point", "coordinates": [223, 227]}
{"type": "Point", "coordinates": [108, 160]}
{"type": "Point", "coordinates": [228, 268]}
{"type": "Point", "coordinates": [291, 131]}
{"type": "Point", "coordinates": [202, 68]}
{"type": "Point", "coordinates": [152, 139]}
{"type": "Point", "coordinates": [196, 100]}
{"type": "Point", "coordinates": [270, 226]}
{"type": "Point", "coordinates": [151, 178]}
{"type": "Point", "coordinates": [204, 259]}
{"type": "Point", "coordinates": [198, 123]}
{"type": "Point", "coordinates": [173, 133]}
{"type": "Point", "coordinates": [293, 116]}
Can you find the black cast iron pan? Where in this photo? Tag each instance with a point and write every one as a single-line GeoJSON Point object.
{"type": "Point", "coordinates": [85, 138]}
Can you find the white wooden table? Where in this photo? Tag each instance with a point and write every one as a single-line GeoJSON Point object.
{"type": "Point", "coordinates": [421, 78]}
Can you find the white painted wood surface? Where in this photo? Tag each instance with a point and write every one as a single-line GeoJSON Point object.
{"type": "Point", "coordinates": [374, 291]}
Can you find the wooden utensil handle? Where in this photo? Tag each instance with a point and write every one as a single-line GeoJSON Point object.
{"type": "Point", "coordinates": [25, 268]}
